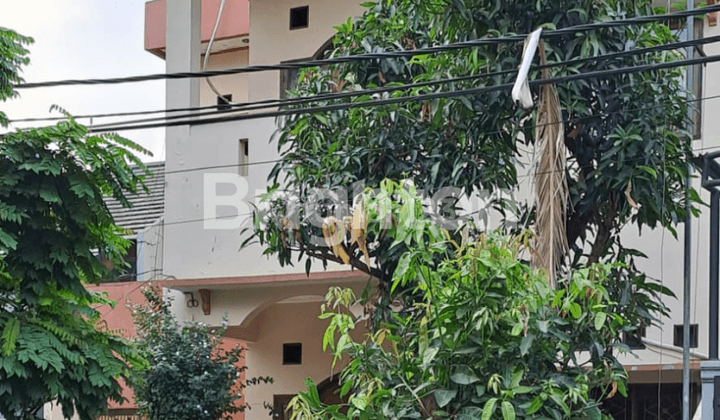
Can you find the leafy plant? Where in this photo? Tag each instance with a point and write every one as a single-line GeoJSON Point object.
{"type": "Point", "coordinates": [485, 338]}
{"type": "Point", "coordinates": [52, 222]}
{"type": "Point", "coordinates": [191, 374]}
{"type": "Point", "coordinates": [628, 148]}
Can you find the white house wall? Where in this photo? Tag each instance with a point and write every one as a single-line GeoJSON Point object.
{"type": "Point", "coordinates": [665, 253]}
{"type": "Point", "coordinates": [272, 41]}
{"type": "Point", "coordinates": [287, 323]}
{"type": "Point", "coordinates": [235, 84]}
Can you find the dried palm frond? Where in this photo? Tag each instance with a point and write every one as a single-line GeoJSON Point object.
{"type": "Point", "coordinates": [551, 190]}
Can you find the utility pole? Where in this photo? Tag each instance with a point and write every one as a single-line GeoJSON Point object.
{"type": "Point", "coordinates": [690, 35]}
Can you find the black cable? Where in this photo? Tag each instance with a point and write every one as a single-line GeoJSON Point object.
{"type": "Point", "coordinates": [377, 56]}
{"type": "Point", "coordinates": [271, 103]}
{"type": "Point", "coordinates": [574, 120]}
{"type": "Point", "coordinates": [486, 133]}
{"type": "Point", "coordinates": [333, 96]}
{"type": "Point", "coordinates": [462, 92]}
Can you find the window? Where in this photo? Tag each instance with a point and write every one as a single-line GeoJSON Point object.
{"type": "Point", "coordinates": [299, 17]}
{"type": "Point", "coordinates": [292, 354]}
{"type": "Point", "coordinates": [678, 336]}
{"type": "Point", "coordinates": [288, 79]}
{"type": "Point", "coordinates": [243, 157]}
{"type": "Point", "coordinates": [634, 339]}
{"type": "Point", "coordinates": [223, 102]}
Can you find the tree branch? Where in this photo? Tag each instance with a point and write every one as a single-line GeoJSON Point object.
{"type": "Point", "coordinates": [323, 253]}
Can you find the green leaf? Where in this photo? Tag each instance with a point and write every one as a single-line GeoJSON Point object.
{"type": "Point", "coordinates": [534, 406]}
{"type": "Point", "coordinates": [600, 320]}
{"type": "Point", "coordinates": [622, 389]}
{"type": "Point", "coordinates": [508, 411]}
{"type": "Point", "coordinates": [444, 396]}
{"type": "Point", "coordinates": [429, 356]}
{"type": "Point", "coordinates": [312, 391]}
{"type": "Point", "coordinates": [594, 413]}
{"type": "Point", "coordinates": [575, 310]}
{"type": "Point", "coordinates": [358, 402]}
{"type": "Point", "coordinates": [489, 408]}
{"type": "Point", "coordinates": [516, 377]}
{"type": "Point", "coordinates": [543, 326]}
{"type": "Point", "coordinates": [9, 336]}
{"type": "Point", "coordinates": [464, 378]}
{"type": "Point", "coordinates": [525, 343]}
{"type": "Point", "coordinates": [649, 170]}
{"type": "Point", "coordinates": [8, 240]}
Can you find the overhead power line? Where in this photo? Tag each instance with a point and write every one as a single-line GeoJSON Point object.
{"type": "Point", "coordinates": [377, 56]}
{"type": "Point", "coordinates": [120, 126]}
{"type": "Point", "coordinates": [530, 174]}
{"type": "Point", "coordinates": [272, 103]}
{"type": "Point", "coordinates": [486, 133]}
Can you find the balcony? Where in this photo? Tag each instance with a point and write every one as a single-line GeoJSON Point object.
{"type": "Point", "coordinates": [232, 34]}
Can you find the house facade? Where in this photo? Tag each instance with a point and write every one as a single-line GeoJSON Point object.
{"type": "Point", "coordinates": [212, 172]}
{"type": "Point", "coordinates": [272, 309]}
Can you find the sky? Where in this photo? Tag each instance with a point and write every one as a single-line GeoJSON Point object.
{"type": "Point", "coordinates": [79, 39]}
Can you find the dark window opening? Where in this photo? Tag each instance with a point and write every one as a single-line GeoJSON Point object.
{"type": "Point", "coordinates": [288, 79]}
{"type": "Point", "coordinates": [299, 17]}
{"type": "Point", "coordinates": [223, 102]}
{"type": "Point", "coordinates": [243, 157]}
{"type": "Point", "coordinates": [292, 354]}
{"type": "Point", "coordinates": [678, 335]}
{"type": "Point", "coordinates": [634, 339]}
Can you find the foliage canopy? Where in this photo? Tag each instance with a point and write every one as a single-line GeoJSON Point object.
{"type": "Point", "coordinates": [486, 337]}
{"type": "Point", "coordinates": [52, 222]}
{"type": "Point", "coordinates": [464, 293]}
{"type": "Point", "coordinates": [628, 148]}
{"type": "Point", "coordinates": [191, 376]}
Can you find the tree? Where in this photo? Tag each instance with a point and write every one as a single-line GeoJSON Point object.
{"type": "Point", "coordinates": [52, 222]}
{"type": "Point", "coordinates": [191, 375]}
{"type": "Point", "coordinates": [628, 158]}
{"type": "Point", "coordinates": [628, 150]}
{"type": "Point", "coordinates": [487, 337]}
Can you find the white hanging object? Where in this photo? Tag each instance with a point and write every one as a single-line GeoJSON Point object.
{"type": "Point", "coordinates": [521, 95]}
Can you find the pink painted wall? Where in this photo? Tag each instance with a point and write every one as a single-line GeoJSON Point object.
{"type": "Point", "coordinates": [235, 21]}
{"type": "Point", "coordinates": [120, 319]}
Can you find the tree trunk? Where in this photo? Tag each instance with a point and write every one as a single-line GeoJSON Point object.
{"type": "Point", "coordinates": [605, 226]}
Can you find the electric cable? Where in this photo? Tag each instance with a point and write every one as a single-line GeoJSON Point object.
{"type": "Point", "coordinates": [378, 56]}
{"type": "Point", "coordinates": [487, 133]}
{"type": "Point", "coordinates": [124, 126]}
{"type": "Point", "coordinates": [207, 52]}
{"type": "Point", "coordinates": [570, 120]}
{"type": "Point", "coordinates": [271, 103]}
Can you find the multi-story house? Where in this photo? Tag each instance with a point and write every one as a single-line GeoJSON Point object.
{"type": "Point", "coordinates": [273, 309]}
{"type": "Point", "coordinates": [194, 249]}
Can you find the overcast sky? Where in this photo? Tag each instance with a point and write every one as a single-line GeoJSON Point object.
{"type": "Point", "coordinates": [77, 39]}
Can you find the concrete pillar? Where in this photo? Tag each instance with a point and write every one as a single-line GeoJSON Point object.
{"type": "Point", "coordinates": [709, 374]}
{"type": "Point", "coordinates": [182, 54]}
{"type": "Point", "coordinates": [182, 51]}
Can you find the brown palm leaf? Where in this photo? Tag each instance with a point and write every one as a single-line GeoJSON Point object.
{"type": "Point", "coordinates": [551, 191]}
